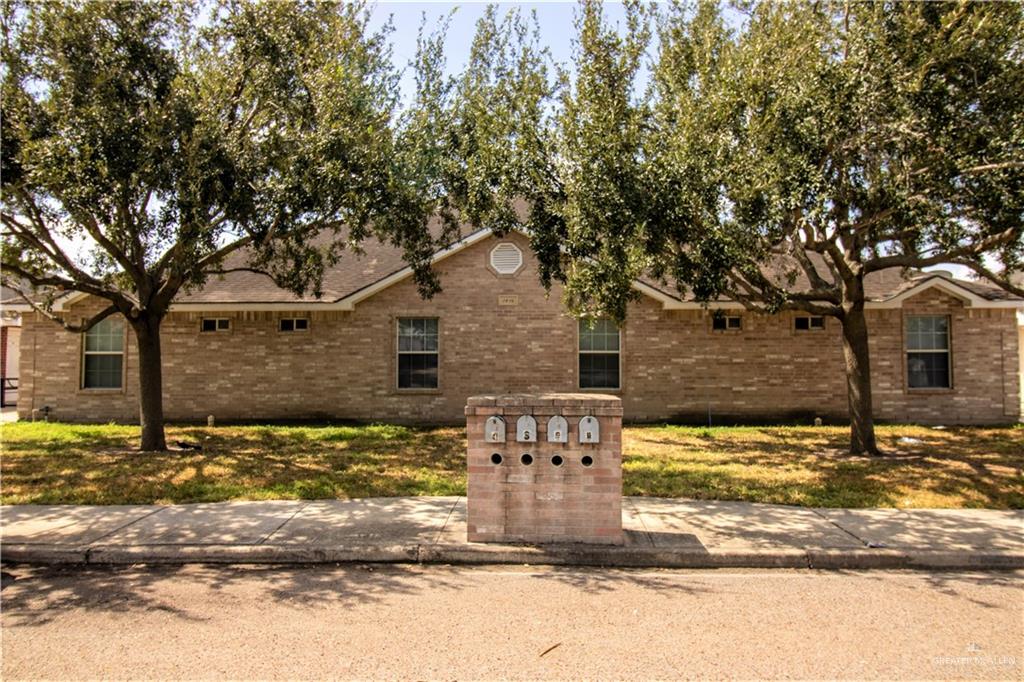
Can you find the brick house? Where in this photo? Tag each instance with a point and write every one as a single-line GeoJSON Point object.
{"type": "Point", "coordinates": [943, 350]}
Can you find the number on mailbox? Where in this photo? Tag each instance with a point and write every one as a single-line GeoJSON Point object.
{"type": "Point", "coordinates": [526, 429]}
{"type": "Point", "coordinates": [558, 430]}
{"type": "Point", "coordinates": [590, 432]}
{"type": "Point", "coordinates": [494, 430]}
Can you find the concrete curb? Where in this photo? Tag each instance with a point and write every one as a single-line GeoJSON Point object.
{"type": "Point", "coordinates": [44, 554]}
{"type": "Point", "coordinates": [553, 555]}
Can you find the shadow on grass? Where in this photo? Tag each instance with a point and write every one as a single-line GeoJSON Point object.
{"type": "Point", "coordinates": [60, 463]}
{"type": "Point", "coordinates": [241, 462]}
{"type": "Point", "coordinates": [810, 466]}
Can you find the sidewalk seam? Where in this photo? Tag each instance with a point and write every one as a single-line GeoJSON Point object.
{"type": "Point", "coordinates": [851, 534]}
{"type": "Point", "coordinates": [437, 538]}
{"type": "Point", "coordinates": [640, 516]}
{"type": "Point", "coordinates": [269, 535]}
{"type": "Point", "coordinates": [120, 528]}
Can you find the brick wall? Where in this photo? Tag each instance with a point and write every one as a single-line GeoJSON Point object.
{"type": "Point", "coordinates": [519, 492]}
{"type": "Point", "coordinates": [673, 365]}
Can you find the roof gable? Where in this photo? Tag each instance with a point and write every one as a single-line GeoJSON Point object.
{"type": "Point", "coordinates": [380, 266]}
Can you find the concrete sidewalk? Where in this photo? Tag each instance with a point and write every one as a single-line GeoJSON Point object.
{"type": "Point", "coordinates": [667, 533]}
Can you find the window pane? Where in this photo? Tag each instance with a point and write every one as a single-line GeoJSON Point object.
{"type": "Point", "coordinates": [287, 325]}
{"type": "Point", "coordinates": [600, 334]}
{"type": "Point", "coordinates": [102, 371]}
{"type": "Point", "coordinates": [733, 323]}
{"type": "Point", "coordinates": [599, 370]}
{"type": "Point", "coordinates": [718, 323]}
{"type": "Point", "coordinates": [301, 324]}
{"type": "Point", "coordinates": [803, 323]}
{"type": "Point", "coordinates": [927, 333]}
{"type": "Point", "coordinates": [105, 336]}
{"type": "Point", "coordinates": [417, 370]}
{"type": "Point", "coordinates": [208, 325]}
{"type": "Point", "coordinates": [817, 323]}
{"type": "Point", "coordinates": [223, 323]}
{"type": "Point", "coordinates": [928, 370]}
{"type": "Point", "coordinates": [417, 334]}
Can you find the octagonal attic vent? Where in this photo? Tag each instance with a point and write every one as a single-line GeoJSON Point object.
{"type": "Point", "coordinates": [506, 258]}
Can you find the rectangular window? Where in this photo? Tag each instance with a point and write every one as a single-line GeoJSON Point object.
{"type": "Point", "coordinates": [804, 324]}
{"type": "Point", "coordinates": [726, 322]}
{"type": "Point", "coordinates": [294, 324]}
{"type": "Point", "coordinates": [599, 354]}
{"type": "Point", "coordinates": [215, 324]}
{"type": "Point", "coordinates": [417, 352]}
{"type": "Point", "coordinates": [928, 351]}
{"type": "Point", "coordinates": [103, 355]}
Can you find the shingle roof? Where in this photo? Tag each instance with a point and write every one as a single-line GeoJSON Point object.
{"type": "Point", "coordinates": [880, 285]}
{"type": "Point", "coordinates": [378, 260]}
{"type": "Point", "coordinates": [355, 272]}
{"type": "Point", "coordinates": [352, 273]}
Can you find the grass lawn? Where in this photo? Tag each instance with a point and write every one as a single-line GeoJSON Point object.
{"type": "Point", "coordinates": [83, 464]}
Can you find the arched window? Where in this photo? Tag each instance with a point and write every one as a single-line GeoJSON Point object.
{"type": "Point", "coordinates": [103, 355]}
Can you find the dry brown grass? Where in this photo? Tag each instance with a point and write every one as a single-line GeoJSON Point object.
{"type": "Point", "coordinates": [81, 464]}
{"type": "Point", "coordinates": [810, 466]}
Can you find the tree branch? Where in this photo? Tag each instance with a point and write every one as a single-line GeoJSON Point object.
{"type": "Point", "coordinates": [907, 260]}
{"type": "Point", "coordinates": [80, 328]}
{"type": "Point", "coordinates": [1002, 282]}
{"type": "Point", "coordinates": [64, 284]}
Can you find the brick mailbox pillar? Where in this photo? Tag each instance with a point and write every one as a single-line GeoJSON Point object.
{"type": "Point", "coordinates": [545, 468]}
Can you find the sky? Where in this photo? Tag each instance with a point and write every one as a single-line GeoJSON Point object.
{"type": "Point", "coordinates": [556, 32]}
{"type": "Point", "coordinates": [554, 18]}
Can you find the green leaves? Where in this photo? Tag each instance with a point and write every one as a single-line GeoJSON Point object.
{"type": "Point", "coordinates": [165, 136]}
{"type": "Point", "coordinates": [869, 135]}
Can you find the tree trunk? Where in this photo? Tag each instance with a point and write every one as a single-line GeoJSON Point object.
{"type": "Point", "coordinates": [151, 405]}
{"type": "Point", "coordinates": [858, 379]}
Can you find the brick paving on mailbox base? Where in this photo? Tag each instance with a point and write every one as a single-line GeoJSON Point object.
{"type": "Point", "coordinates": [671, 533]}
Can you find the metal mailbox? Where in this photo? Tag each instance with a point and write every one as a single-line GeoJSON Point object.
{"type": "Point", "coordinates": [590, 430]}
{"type": "Point", "coordinates": [526, 429]}
{"type": "Point", "coordinates": [558, 429]}
{"type": "Point", "coordinates": [494, 430]}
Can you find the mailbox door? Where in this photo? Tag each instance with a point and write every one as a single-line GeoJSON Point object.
{"type": "Point", "coordinates": [558, 430]}
{"type": "Point", "coordinates": [590, 431]}
{"type": "Point", "coordinates": [494, 430]}
{"type": "Point", "coordinates": [526, 429]}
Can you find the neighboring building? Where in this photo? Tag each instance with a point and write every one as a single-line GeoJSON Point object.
{"type": "Point", "coordinates": [942, 350]}
{"type": "Point", "coordinates": [10, 342]}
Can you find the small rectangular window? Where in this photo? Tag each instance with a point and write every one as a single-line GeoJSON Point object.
{"type": "Point", "coordinates": [804, 324]}
{"type": "Point", "coordinates": [215, 324]}
{"type": "Point", "coordinates": [726, 322]}
{"type": "Point", "coordinates": [103, 355]}
{"type": "Point", "coordinates": [928, 351]}
{"type": "Point", "coordinates": [417, 352]}
{"type": "Point", "coordinates": [294, 324]}
{"type": "Point", "coordinates": [599, 354]}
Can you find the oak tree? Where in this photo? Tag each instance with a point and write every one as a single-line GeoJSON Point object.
{"type": "Point", "coordinates": [144, 142]}
{"type": "Point", "coordinates": [780, 154]}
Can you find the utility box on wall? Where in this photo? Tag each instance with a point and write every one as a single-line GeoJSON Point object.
{"type": "Point", "coordinates": [554, 475]}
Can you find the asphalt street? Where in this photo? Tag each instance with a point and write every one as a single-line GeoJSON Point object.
{"type": "Point", "coordinates": [433, 622]}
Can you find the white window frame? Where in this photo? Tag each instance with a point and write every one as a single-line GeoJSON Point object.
{"type": "Point", "coordinates": [86, 353]}
{"type": "Point", "coordinates": [947, 351]}
{"type": "Point", "coordinates": [217, 324]}
{"type": "Point", "coordinates": [580, 353]}
{"type": "Point", "coordinates": [294, 329]}
{"type": "Point", "coordinates": [399, 352]}
{"type": "Point", "coordinates": [725, 319]}
{"type": "Point", "coordinates": [810, 326]}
